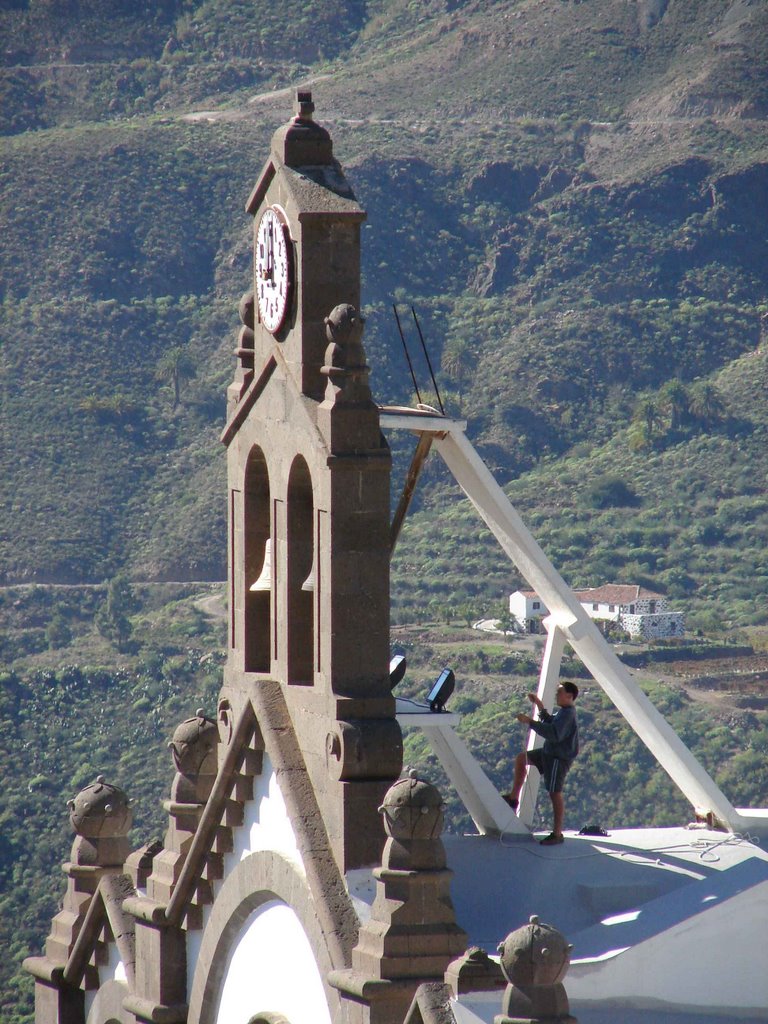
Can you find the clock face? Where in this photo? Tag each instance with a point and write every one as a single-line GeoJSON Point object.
{"type": "Point", "coordinates": [274, 269]}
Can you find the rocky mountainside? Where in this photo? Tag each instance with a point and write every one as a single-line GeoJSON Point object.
{"type": "Point", "coordinates": [573, 196]}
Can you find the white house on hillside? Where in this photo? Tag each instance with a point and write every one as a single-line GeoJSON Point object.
{"type": "Point", "coordinates": [642, 613]}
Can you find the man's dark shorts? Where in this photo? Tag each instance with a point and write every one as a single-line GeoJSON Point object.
{"type": "Point", "coordinates": [552, 769]}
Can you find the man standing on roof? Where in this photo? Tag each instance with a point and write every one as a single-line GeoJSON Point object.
{"type": "Point", "coordinates": [561, 745]}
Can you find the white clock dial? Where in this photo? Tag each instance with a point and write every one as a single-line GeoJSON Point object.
{"type": "Point", "coordinates": [274, 269]}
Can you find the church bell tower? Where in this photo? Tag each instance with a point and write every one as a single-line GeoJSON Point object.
{"type": "Point", "coordinates": [308, 485]}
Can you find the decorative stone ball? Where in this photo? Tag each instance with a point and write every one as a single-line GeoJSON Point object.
{"type": "Point", "coordinates": [344, 326]}
{"type": "Point", "coordinates": [246, 309]}
{"type": "Point", "coordinates": [100, 811]}
{"type": "Point", "coordinates": [193, 746]}
{"type": "Point", "coordinates": [412, 809]}
{"type": "Point", "coordinates": [536, 954]}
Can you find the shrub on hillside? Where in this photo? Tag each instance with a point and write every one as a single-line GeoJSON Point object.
{"type": "Point", "coordinates": [611, 492]}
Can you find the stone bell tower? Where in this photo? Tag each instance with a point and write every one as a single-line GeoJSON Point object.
{"type": "Point", "coordinates": [308, 482]}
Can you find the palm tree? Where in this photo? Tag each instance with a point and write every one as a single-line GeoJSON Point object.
{"type": "Point", "coordinates": [176, 364]}
{"type": "Point", "coordinates": [676, 401]}
{"type": "Point", "coordinates": [647, 420]}
{"type": "Point", "coordinates": [454, 362]}
{"type": "Point", "coordinates": [706, 403]}
{"type": "Point", "coordinates": [650, 415]}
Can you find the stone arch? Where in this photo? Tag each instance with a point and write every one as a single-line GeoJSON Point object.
{"type": "Point", "coordinates": [258, 879]}
{"type": "Point", "coordinates": [257, 605]}
{"type": "Point", "coordinates": [301, 559]}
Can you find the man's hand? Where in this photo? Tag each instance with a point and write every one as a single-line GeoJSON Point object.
{"type": "Point", "coordinates": [524, 719]}
{"type": "Point", "coordinates": [535, 700]}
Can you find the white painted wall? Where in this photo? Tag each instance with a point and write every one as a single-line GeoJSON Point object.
{"type": "Point", "coordinates": [523, 607]}
{"type": "Point", "coordinates": [272, 969]}
{"type": "Point", "coordinates": [266, 826]}
{"type": "Point", "coordinates": [603, 611]}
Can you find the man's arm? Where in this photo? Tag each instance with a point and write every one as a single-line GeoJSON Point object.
{"type": "Point", "coordinates": [555, 727]}
{"type": "Point", "coordinates": [534, 699]}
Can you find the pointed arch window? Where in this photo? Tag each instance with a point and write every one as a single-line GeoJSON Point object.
{"type": "Point", "coordinates": [302, 580]}
{"type": "Point", "coordinates": [257, 542]}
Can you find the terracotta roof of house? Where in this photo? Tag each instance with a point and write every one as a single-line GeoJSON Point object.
{"type": "Point", "coordinates": [616, 593]}
{"type": "Point", "coordinates": [609, 593]}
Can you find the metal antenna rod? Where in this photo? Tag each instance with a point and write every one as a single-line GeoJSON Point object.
{"type": "Point", "coordinates": [429, 361]}
{"type": "Point", "coordinates": [405, 349]}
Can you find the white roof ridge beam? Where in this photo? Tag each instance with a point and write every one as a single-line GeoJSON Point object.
{"type": "Point", "coordinates": [505, 523]}
{"type": "Point", "coordinates": [487, 809]}
{"type": "Point", "coordinates": [401, 418]}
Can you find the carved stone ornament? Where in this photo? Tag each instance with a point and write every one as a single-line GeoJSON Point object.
{"type": "Point", "coordinates": [534, 959]}
{"type": "Point", "coordinates": [193, 746]}
{"type": "Point", "coordinates": [536, 954]}
{"type": "Point", "coordinates": [345, 364]}
{"type": "Point", "coordinates": [412, 809]}
{"type": "Point", "coordinates": [100, 811]}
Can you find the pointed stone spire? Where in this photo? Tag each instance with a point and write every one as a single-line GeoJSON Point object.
{"type": "Point", "coordinates": [303, 142]}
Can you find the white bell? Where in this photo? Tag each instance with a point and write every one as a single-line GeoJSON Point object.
{"type": "Point", "coordinates": [309, 582]}
{"type": "Point", "coordinates": [264, 582]}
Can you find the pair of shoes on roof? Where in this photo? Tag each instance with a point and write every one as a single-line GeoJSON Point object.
{"type": "Point", "coordinates": [553, 839]}
{"type": "Point", "coordinates": [509, 799]}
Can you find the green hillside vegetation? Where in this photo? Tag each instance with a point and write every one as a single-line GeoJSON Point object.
{"type": "Point", "coordinates": [95, 680]}
{"type": "Point", "coordinates": [60, 730]}
{"type": "Point", "coordinates": [102, 691]}
{"type": "Point", "coordinates": [639, 508]}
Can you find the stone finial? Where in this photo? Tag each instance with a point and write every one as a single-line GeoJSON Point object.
{"type": "Point", "coordinates": [246, 337]}
{"type": "Point", "coordinates": [412, 935]}
{"type": "Point", "coordinates": [536, 954]}
{"type": "Point", "coordinates": [344, 331]}
{"type": "Point", "coordinates": [100, 811]}
{"type": "Point", "coordinates": [345, 365]}
{"type": "Point", "coordinates": [224, 715]}
{"type": "Point", "coordinates": [302, 142]}
{"type": "Point", "coordinates": [347, 418]}
{"type": "Point", "coordinates": [413, 820]}
{"type": "Point", "coordinates": [193, 746]}
{"type": "Point", "coordinates": [344, 325]}
{"type": "Point", "coordinates": [304, 108]}
{"type": "Point", "coordinates": [535, 959]}
{"type": "Point", "coordinates": [101, 816]}
{"type": "Point", "coordinates": [244, 351]}
{"type": "Point", "coordinates": [412, 809]}
{"type": "Point", "coordinates": [246, 309]}
{"type": "Point", "coordinates": [474, 971]}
